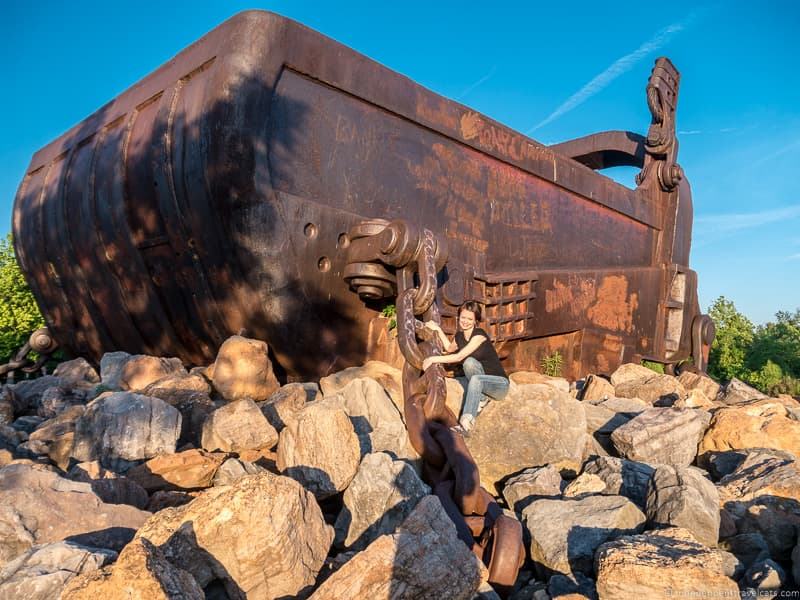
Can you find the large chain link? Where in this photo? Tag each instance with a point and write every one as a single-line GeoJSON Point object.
{"type": "Point", "coordinates": [448, 464]}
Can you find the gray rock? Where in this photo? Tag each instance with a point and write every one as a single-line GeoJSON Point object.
{"type": "Point", "coordinates": [796, 562]}
{"type": "Point", "coordinates": [659, 390]}
{"type": "Point", "coordinates": [566, 533]}
{"type": "Point", "coordinates": [423, 559]}
{"type": "Point", "coordinates": [622, 477]}
{"type": "Point", "coordinates": [56, 400]}
{"type": "Point", "coordinates": [284, 404]}
{"type": "Point", "coordinates": [576, 587]}
{"type": "Point", "coordinates": [134, 372]}
{"type": "Point", "coordinates": [662, 435]}
{"type": "Point", "coordinates": [77, 372]}
{"type": "Point", "coordinates": [749, 548]}
{"type": "Point", "coordinates": [38, 507]}
{"type": "Point", "coordinates": [56, 436]}
{"type": "Point", "coordinates": [683, 497]}
{"type": "Point", "coordinates": [731, 565]}
{"type": "Point", "coordinates": [27, 423]}
{"type": "Point", "coordinates": [596, 389]}
{"type": "Point", "coordinates": [738, 392]}
{"type": "Point", "coordinates": [320, 448]}
{"type": "Point", "coordinates": [532, 484]}
{"type": "Point", "coordinates": [195, 407]}
{"type": "Point", "coordinates": [534, 425]}
{"type": "Point", "coordinates": [28, 394]}
{"type": "Point", "coordinates": [631, 373]}
{"type": "Point", "coordinates": [238, 426]}
{"type": "Point", "coordinates": [42, 572]}
{"type": "Point", "coordinates": [124, 427]}
{"type": "Point", "coordinates": [382, 494]}
{"type": "Point", "coordinates": [233, 469]}
{"type": "Point", "coordinates": [765, 578]}
{"type": "Point", "coordinates": [700, 381]}
{"type": "Point", "coordinates": [109, 487]}
{"type": "Point", "coordinates": [375, 418]}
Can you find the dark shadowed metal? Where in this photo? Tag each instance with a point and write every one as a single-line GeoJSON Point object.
{"type": "Point", "coordinates": [233, 188]}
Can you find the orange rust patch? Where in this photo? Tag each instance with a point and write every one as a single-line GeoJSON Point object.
{"type": "Point", "coordinates": [574, 296]}
{"type": "Point", "coordinates": [613, 308]}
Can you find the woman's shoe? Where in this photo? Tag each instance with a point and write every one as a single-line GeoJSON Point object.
{"type": "Point", "coordinates": [467, 422]}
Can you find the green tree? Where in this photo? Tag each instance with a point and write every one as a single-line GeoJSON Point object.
{"type": "Point", "coordinates": [778, 342]}
{"type": "Point", "coordinates": [19, 314]}
{"type": "Point", "coordinates": [733, 339]}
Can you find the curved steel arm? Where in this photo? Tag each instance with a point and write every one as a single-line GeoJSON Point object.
{"type": "Point", "coordinates": [605, 149]}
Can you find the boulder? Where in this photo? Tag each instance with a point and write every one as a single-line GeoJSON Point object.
{"type": "Point", "coordinates": [7, 411]}
{"type": "Point", "coordinates": [57, 435]}
{"type": "Point", "coordinates": [187, 470]}
{"type": "Point", "coordinates": [527, 377]}
{"type": "Point", "coordinates": [566, 533]}
{"type": "Point", "coordinates": [731, 566]}
{"type": "Point", "coordinates": [243, 370]}
{"type": "Point", "coordinates": [375, 418]}
{"type": "Point", "coordinates": [596, 388]}
{"type": "Point", "coordinates": [42, 572]}
{"type": "Point", "coordinates": [622, 477]}
{"type": "Point", "coordinates": [56, 400]}
{"type": "Point", "coordinates": [120, 371]}
{"type": "Point", "coordinates": [585, 484]}
{"type": "Point", "coordinates": [760, 474]}
{"type": "Point", "coordinates": [77, 372]}
{"type": "Point", "coordinates": [575, 587]}
{"type": "Point", "coordinates": [238, 426]}
{"type": "Point", "coordinates": [765, 579]}
{"type": "Point", "coordinates": [662, 435]}
{"type": "Point", "coordinates": [195, 407]}
{"type": "Point", "coordinates": [169, 499]}
{"type": "Point", "coordinates": [284, 404]}
{"type": "Point", "coordinates": [233, 469]}
{"type": "Point", "coordinates": [694, 399]}
{"type": "Point", "coordinates": [776, 519]}
{"type": "Point", "coordinates": [796, 562]}
{"type": "Point", "coordinates": [700, 382]}
{"type": "Point", "coordinates": [124, 427]}
{"type": "Point", "coordinates": [38, 506]}
{"type": "Point", "coordinates": [109, 487]}
{"type": "Point", "coordinates": [423, 559]}
{"type": "Point", "coordinates": [631, 373]}
{"type": "Point", "coordinates": [658, 390]}
{"type": "Point", "coordinates": [264, 537]}
{"type": "Point", "coordinates": [28, 394]}
{"type": "Point", "coordinates": [389, 378]}
{"type": "Point", "coordinates": [320, 449]}
{"type": "Point", "coordinates": [661, 564]}
{"type": "Point", "coordinates": [738, 392]}
{"type": "Point", "coordinates": [178, 381]}
{"type": "Point", "coordinates": [532, 484]}
{"type": "Point", "coordinates": [141, 572]}
{"type": "Point", "coordinates": [762, 424]}
{"type": "Point", "coordinates": [534, 425]}
{"type": "Point", "coordinates": [382, 494]}
{"type": "Point", "coordinates": [749, 548]}
{"type": "Point", "coordinates": [683, 497]}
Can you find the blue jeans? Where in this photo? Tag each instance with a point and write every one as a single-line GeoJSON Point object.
{"type": "Point", "coordinates": [478, 385]}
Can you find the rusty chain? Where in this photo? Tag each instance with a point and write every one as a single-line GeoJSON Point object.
{"type": "Point", "coordinates": [40, 341]}
{"type": "Point", "coordinates": [448, 465]}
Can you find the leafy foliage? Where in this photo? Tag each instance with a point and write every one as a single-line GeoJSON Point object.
{"type": "Point", "coordinates": [767, 356]}
{"type": "Point", "coordinates": [653, 366]}
{"type": "Point", "coordinates": [19, 314]}
{"type": "Point", "coordinates": [390, 312]}
{"type": "Point", "coordinates": [734, 336]}
{"type": "Point", "coordinates": [552, 364]}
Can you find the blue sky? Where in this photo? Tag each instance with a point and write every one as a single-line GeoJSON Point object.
{"type": "Point", "coordinates": [554, 71]}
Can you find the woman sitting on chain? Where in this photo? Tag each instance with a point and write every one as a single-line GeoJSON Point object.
{"type": "Point", "coordinates": [484, 377]}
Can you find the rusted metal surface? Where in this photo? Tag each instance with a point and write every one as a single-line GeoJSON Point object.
{"type": "Point", "coordinates": [233, 188]}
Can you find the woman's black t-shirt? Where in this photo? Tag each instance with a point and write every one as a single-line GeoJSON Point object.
{"type": "Point", "coordinates": [484, 354]}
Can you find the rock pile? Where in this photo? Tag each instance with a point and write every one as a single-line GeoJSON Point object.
{"type": "Point", "coordinates": [145, 480]}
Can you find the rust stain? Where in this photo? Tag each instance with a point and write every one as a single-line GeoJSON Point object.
{"type": "Point", "coordinates": [564, 296]}
{"type": "Point", "coordinates": [613, 308]}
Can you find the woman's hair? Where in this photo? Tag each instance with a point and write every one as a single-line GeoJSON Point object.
{"type": "Point", "coordinates": [473, 307]}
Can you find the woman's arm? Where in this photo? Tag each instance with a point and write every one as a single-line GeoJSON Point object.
{"type": "Point", "coordinates": [447, 345]}
{"type": "Point", "coordinates": [457, 357]}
